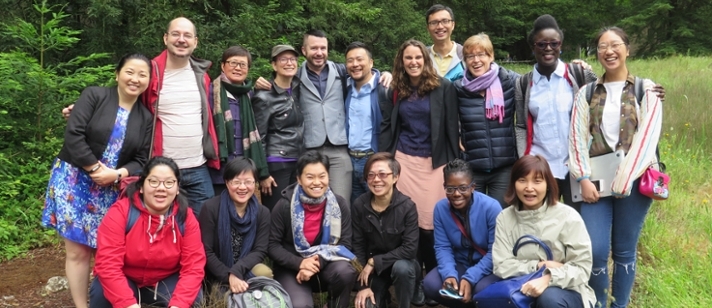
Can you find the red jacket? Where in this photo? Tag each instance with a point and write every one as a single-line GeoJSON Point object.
{"type": "Point", "coordinates": [150, 97]}
{"type": "Point", "coordinates": [147, 261]}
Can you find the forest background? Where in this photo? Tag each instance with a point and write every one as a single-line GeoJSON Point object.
{"type": "Point", "coordinates": [51, 50]}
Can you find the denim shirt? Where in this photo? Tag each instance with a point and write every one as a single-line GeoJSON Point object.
{"type": "Point", "coordinates": [550, 105]}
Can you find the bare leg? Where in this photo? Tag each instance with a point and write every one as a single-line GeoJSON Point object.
{"type": "Point", "coordinates": [77, 268]}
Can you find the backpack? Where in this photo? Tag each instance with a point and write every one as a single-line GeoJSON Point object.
{"type": "Point", "coordinates": [134, 213]}
{"type": "Point", "coordinates": [262, 292]}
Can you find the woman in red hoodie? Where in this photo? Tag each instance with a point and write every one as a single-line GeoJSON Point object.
{"type": "Point", "coordinates": [149, 249]}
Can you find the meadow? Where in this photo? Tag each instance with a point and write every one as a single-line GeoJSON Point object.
{"type": "Point", "coordinates": [675, 250]}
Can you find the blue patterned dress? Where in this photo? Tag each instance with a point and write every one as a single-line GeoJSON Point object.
{"type": "Point", "coordinates": [74, 204]}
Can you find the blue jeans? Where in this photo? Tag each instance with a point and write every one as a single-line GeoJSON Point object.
{"type": "Point", "coordinates": [146, 295]}
{"type": "Point", "coordinates": [358, 184]}
{"type": "Point", "coordinates": [557, 297]}
{"type": "Point", "coordinates": [614, 226]}
{"type": "Point", "coordinates": [197, 186]}
{"type": "Point", "coordinates": [493, 183]}
{"type": "Point", "coordinates": [433, 283]}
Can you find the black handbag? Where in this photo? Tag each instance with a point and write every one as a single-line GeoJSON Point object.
{"type": "Point", "coordinates": [506, 293]}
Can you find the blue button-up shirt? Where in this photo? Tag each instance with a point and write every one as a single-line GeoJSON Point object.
{"type": "Point", "coordinates": [550, 104]}
{"type": "Point", "coordinates": [360, 122]}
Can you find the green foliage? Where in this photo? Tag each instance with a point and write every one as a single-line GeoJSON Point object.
{"type": "Point", "coordinates": [31, 127]}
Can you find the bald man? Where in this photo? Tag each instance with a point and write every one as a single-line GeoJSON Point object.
{"type": "Point", "coordinates": [178, 98]}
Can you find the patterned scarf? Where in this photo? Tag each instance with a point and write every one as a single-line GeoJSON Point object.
{"type": "Point", "coordinates": [494, 97]}
{"type": "Point", "coordinates": [330, 229]}
{"type": "Point", "coordinates": [245, 226]}
{"type": "Point", "coordinates": [224, 125]}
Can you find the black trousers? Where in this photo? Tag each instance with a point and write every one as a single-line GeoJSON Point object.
{"type": "Point", "coordinates": [337, 278]}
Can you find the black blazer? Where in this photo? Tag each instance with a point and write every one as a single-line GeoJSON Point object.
{"type": "Point", "coordinates": [91, 123]}
{"type": "Point", "coordinates": [444, 130]}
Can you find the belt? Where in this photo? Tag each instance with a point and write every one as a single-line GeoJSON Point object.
{"type": "Point", "coordinates": [360, 154]}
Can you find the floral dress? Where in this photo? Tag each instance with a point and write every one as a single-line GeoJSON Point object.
{"type": "Point", "coordinates": [74, 204]}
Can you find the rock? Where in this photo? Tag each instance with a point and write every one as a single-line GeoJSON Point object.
{"type": "Point", "coordinates": [56, 284]}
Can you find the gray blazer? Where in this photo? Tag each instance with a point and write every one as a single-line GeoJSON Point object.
{"type": "Point", "coordinates": [323, 117]}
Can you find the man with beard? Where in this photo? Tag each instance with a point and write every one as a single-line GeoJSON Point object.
{"type": "Point", "coordinates": [366, 105]}
{"type": "Point", "coordinates": [446, 54]}
{"type": "Point", "coordinates": [183, 124]}
{"type": "Point", "coordinates": [321, 98]}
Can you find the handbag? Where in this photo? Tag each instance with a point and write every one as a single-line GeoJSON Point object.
{"type": "Point", "coordinates": [654, 183]}
{"type": "Point", "coordinates": [506, 293]}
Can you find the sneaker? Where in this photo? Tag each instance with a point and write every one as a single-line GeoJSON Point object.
{"type": "Point", "coordinates": [431, 302]}
{"type": "Point", "coordinates": [419, 296]}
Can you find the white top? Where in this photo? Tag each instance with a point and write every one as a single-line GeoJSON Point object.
{"type": "Point", "coordinates": [611, 121]}
{"type": "Point", "coordinates": [181, 113]}
{"type": "Point", "coordinates": [550, 103]}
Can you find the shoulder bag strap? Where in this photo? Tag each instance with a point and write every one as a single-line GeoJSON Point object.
{"type": "Point", "coordinates": [530, 239]}
{"type": "Point", "coordinates": [464, 233]}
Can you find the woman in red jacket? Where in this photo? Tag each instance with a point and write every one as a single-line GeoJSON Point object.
{"type": "Point", "coordinates": [149, 249]}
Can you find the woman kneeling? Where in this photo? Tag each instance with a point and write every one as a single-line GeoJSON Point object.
{"type": "Point", "coordinates": [310, 237]}
{"type": "Point", "coordinates": [148, 245]}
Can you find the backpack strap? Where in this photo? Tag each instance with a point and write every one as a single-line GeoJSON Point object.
{"type": "Point", "coordinates": [467, 236]}
{"type": "Point", "coordinates": [134, 213]}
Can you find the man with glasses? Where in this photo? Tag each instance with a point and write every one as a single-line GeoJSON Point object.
{"type": "Point", "coordinates": [446, 54]}
{"type": "Point", "coordinates": [178, 98]}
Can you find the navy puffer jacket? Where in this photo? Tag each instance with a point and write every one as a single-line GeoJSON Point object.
{"type": "Point", "coordinates": [488, 144]}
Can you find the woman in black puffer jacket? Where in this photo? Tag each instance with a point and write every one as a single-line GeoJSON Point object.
{"type": "Point", "coordinates": [486, 107]}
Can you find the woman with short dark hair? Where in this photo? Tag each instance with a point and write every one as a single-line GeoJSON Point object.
{"type": "Point", "coordinates": [536, 211]}
{"type": "Point", "coordinates": [310, 238]}
{"type": "Point", "coordinates": [385, 224]}
{"type": "Point", "coordinates": [235, 229]}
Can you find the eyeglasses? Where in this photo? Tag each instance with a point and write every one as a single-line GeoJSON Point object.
{"type": "Point", "coordinates": [444, 22]}
{"type": "Point", "coordinates": [237, 183]}
{"type": "Point", "coordinates": [449, 190]}
{"type": "Point", "coordinates": [381, 175]}
{"type": "Point", "coordinates": [480, 55]}
{"type": "Point", "coordinates": [234, 64]}
{"type": "Point", "coordinates": [542, 44]}
{"type": "Point", "coordinates": [285, 60]}
{"type": "Point", "coordinates": [177, 35]}
{"type": "Point", "coordinates": [604, 47]}
{"type": "Point", "coordinates": [166, 183]}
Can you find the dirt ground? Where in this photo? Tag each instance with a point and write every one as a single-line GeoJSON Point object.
{"type": "Point", "coordinates": [22, 279]}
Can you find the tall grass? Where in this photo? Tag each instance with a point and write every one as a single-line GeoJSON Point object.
{"type": "Point", "coordinates": [675, 249]}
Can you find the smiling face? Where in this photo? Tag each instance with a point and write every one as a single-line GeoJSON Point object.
{"type": "Point", "coordinates": [413, 62]}
{"type": "Point", "coordinates": [612, 51]}
{"type": "Point", "coordinates": [159, 199]}
{"type": "Point", "coordinates": [378, 186]}
{"type": "Point", "coordinates": [316, 50]}
{"type": "Point", "coordinates": [132, 78]}
{"type": "Point", "coordinates": [236, 69]}
{"type": "Point", "coordinates": [241, 188]}
{"type": "Point", "coordinates": [314, 180]}
{"type": "Point", "coordinates": [546, 55]}
{"type": "Point", "coordinates": [458, 199]}
{"type": "Point", "coordinates": [359, 64]}
{"type": "Point", "coordinates": [285, 64]}
{"type": "Point", "coordinates": [478, 61]}
{"type": "Point", "coordinates": [181, 40]}
{"type": "Point", "coordinates": [531, 190]}
{"type": "Point", "coordinates": [440, 26]}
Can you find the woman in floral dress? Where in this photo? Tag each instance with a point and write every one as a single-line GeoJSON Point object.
{"type": "Point", "coordinates": [107, 138]}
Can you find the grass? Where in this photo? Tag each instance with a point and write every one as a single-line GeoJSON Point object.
{"type": "Point", "coordinates": [675, 249]}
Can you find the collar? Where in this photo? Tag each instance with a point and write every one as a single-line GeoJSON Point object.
{"type": "Point", "coordinates": [630, 79]}
{"type": "Point", "coordinates": [366, 88]}
{"type": "Point", "coordinates": [559, 71]}
{"type": "Point", "coordinates": [452, 53]}
{"type": "Point", "coordinates": [525, 214]}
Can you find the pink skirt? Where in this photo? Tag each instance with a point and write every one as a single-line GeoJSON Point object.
{"type": "Point", "coordinates": [423, 184]}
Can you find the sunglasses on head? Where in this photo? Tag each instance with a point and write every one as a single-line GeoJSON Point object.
{"type": "Point", "coordinates": [542, 44]}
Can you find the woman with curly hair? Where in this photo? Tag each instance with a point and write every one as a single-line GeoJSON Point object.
{"type": "Point", "coordinates": [423, 133]}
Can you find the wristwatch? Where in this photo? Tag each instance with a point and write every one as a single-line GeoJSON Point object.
{"type": "Point", "coordinates": [118, 178]}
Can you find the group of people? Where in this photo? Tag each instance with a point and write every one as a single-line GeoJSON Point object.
{"type": "Point", "coordinates": [351, 179]}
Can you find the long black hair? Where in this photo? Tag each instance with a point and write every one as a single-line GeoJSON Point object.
{"type": "Point", "coordinates": [135, 188]}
